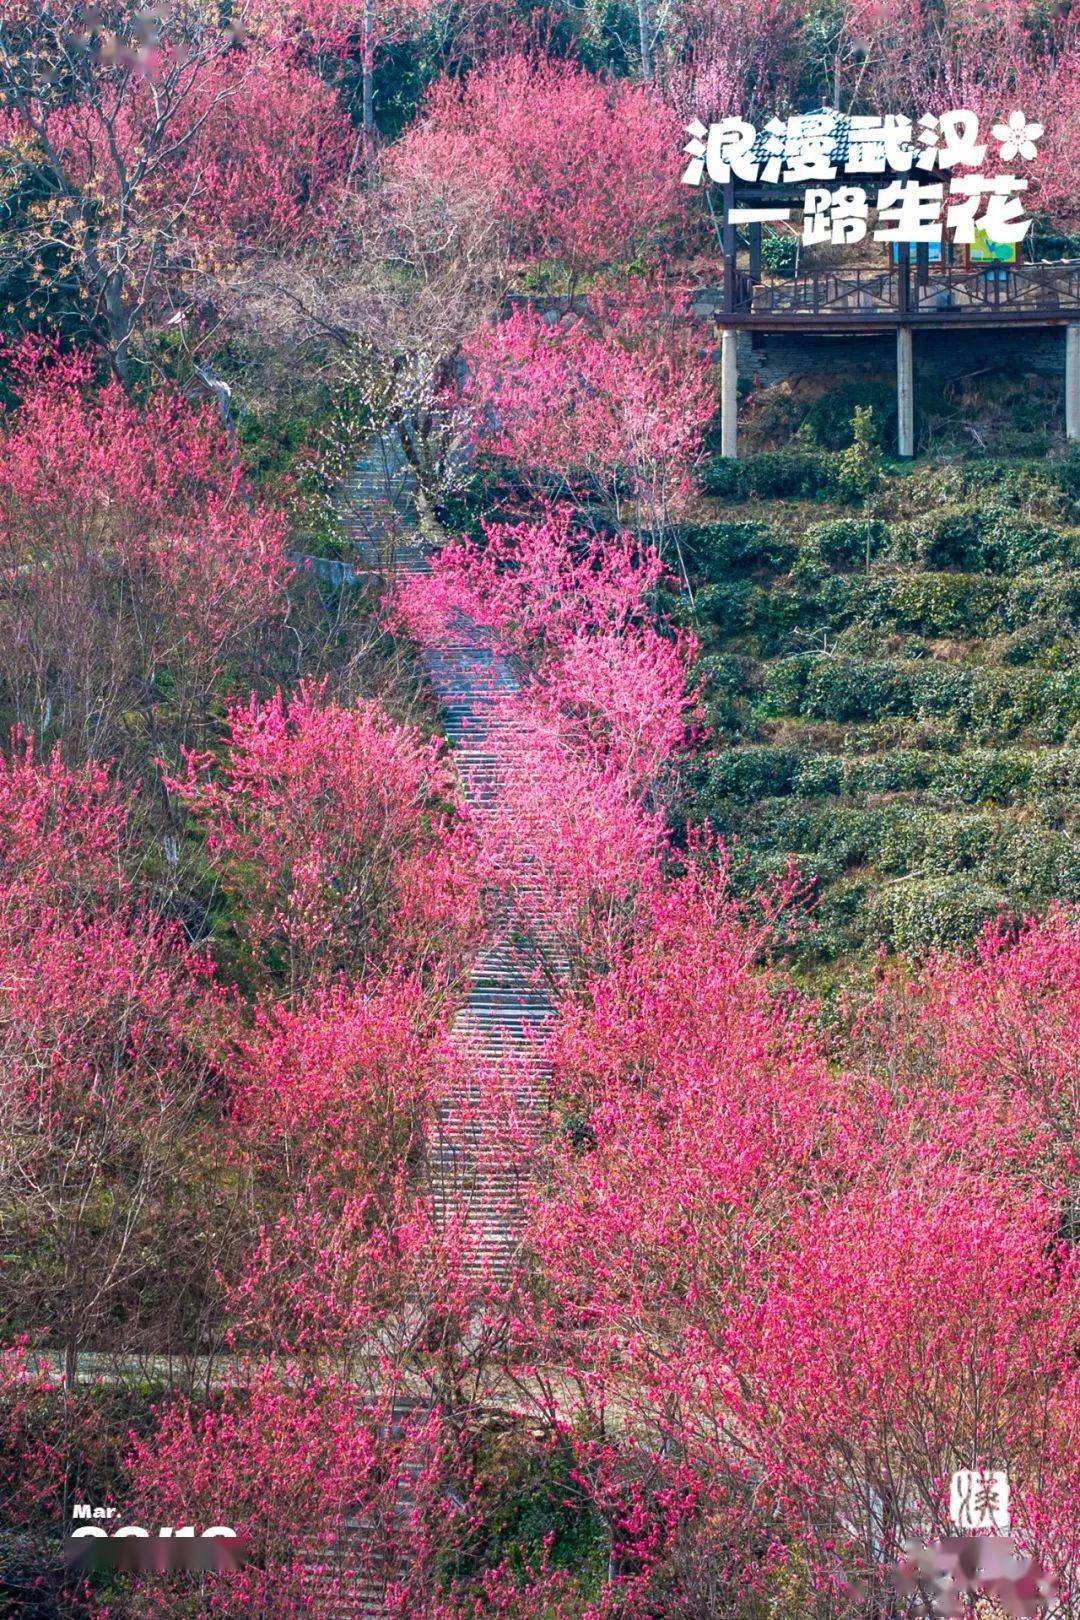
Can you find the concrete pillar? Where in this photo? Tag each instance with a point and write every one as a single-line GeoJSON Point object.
{"type": "Point", "coordinates": [1072, 384]}
{"type": "Point", "coordinates": [905, 392]}
{"type": "Point", "coordinates": [729, 392]}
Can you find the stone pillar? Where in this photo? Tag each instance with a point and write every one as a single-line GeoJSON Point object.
{"type": "Point", "coordinates": [1072, 383]}
{"type": "Point", "coordinates": [729, 392]}
{"type": "Point", "coordinates": [905, 392]}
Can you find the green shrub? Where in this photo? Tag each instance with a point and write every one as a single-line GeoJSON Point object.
{"type": "Point", "coordinates": [931, 914]}
{"type": "Point", "coordinates": [977, 776]}
{"type": "Point", "coordinates": [774, 475]}
{"type": "Point", "coordinates": [837, 835]}
{"type": "Point", "coordinates": [719, 549]}
{"type": "Point", "coordinates": [746, 774]}
{"type": "Point", "coordinates": [836, 688]}
{"type": "Point", "coordinates": [729, 683]}
{"type": "Point", "coordinates": [981, 776]}
{"type": "Point", "coordinates": [936, 842]}
{"type": "Point", "coordinates": [774, 615]}
{"type": "Point", "coordinates": [843, 542]}
{"type": "Point", "coordinates": [722, 478]}
{"type": "Point", "coordinates": [830, 419]}
{"type": "Point", "coordinates": [858, 470]}
{"type": "Point", "coordinates": [990, 703]}
{"type": "Point", "coordinates": [978, 538]}
{"type": "Point", "coordinates": [948, 538]}
{"type": "Point", "coordinates": [920, 794]}
{"type": "Point", "coordinates": [1057, 772]}
{"type": "Point", "coordinates": [779, 253]}
{"type": "Point", "coordinates": [784, 685]}
{"type": "Point", "coordinates": [944, 604]}
{"type": "Point", "coordinates": [902, 770]}
{"type": "Point", "coordinates": [1036, 864]}
{"type": "Point", "coordinates": [1014, 544]}
{"type": "Point", "coordinates": [727, 606]}
{"type": "Point", "coordinates": [928, 604]}
{"type": "Point", "coordinates": [819, 774]}
{"type": "Point", "coordinates": [787, 474]}
{"type": "Point", "coordinates": [839, 923]}
{"type": "Point", "coordinates": [1052, 597]}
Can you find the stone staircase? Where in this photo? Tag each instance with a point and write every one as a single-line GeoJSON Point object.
{"type": "Point", "coordinates": [480, 1154]}
{"type": "Point", "coordinates": [489, 1124]}
{"type": "Point", "coordinates": [348, 1579]}
{"type": "Point", "coordinates": [379, 510]}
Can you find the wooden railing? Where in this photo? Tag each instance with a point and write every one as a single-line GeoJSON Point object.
{"type": "Point", "coordinates": [1025, 290]}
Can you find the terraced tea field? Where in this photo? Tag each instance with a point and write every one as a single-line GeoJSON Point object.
{"type": "Point", "coordinates": [893, 693]}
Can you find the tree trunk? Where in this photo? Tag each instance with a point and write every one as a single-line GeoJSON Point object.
{"type": "Point", "coordinates": [645, 40]}
{"type": "Point", "coordinates": [119, 324]}
{"type": "Point", "coordinates": [368, 70]}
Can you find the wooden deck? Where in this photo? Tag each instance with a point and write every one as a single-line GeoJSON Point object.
{"type": "Point", "coordinates": [871, 300]}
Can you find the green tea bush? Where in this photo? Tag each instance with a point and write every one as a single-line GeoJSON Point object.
{"type": "Point", "coordinates": [1055, 773]}
{"type": "Point", "coordinates": [1036, 864]}
{"type": "Point", "coordinates": [839, 918]}
{"type": "Point", "coordinates": [819, 775]}
{"type": "Point", "coordinates": [783, 474]}
{"type": "Point", "coordinates": [722, 478]}
{"type": "Point", "coordinates": [936, 842]}
{"type": "Point", "coordinates": [843, 542]}
{"type": "Point", "coordinates": [951, 537]}
{"type": "Point", "coordinates": [902, 770]}
{"type": "Point", "coordinates": [1015, 544]}
{"type": "Point", "coordinates": [1053, 597]}
{"type": "Point", "coordinates": [719, 549]}
{"type": "Point", "coordinates": [836, 688]}
{"type": "Point", "coordinates": [775, 615]}
{"type": "Point", "coordinates": [990, 703]}
{"type": "Point", "coordinates": [977, 538]}
{"type": "Point", "coordinates": [973, 777]}
{"type": "Point", "coordinates": [932, 914]}
{"type": "Point", "coordinates": [981, 776]}
{"type": "Point", "coordinates": [730, 684]}
{"type": "Point", "coordinates": [929, 604]}
{"type": "Point", "coordinates": [729, 607]}
{"type": "Point", "coordinates": [747, 774]}
{"type": "Point", "coordinates": [943, 604]}
{"type": "Point", "coordinates": [837, 835]}
{"type": "Point", "coordinates": [774, 475]}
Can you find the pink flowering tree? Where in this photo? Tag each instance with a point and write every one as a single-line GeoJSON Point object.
{"type": "Point", "coordinates": [109, 1026]}
{"type": "Point", "coordinates": [743, 62]}
{"type": "Point", "coordinates": [163, 142]}
{"type": "Point", "coordinates": [611, 674]}
{"type": "Point", "coordinates": [332, 1443]}
{"type": "Point", "coordinates": [268, 158]}
{"type": "Point", "coordinates": [333, 1107]}
{"type": "Point", "coordinates": [992, 59]}
{"type": "Point", "coordinates": [714, 1236]}
{"type": "Point", "coordinates": [333, 830]}
{"type": "Point", "coordinates": [606, 712]}
{"type": "Point", "coordinates": [580, 172]}
{"type": "Point", "coordinates": [611, 408]}
{"type": "Point", "coordinates": [140, 575]}
{"type": "Point", "coordinates": [327, 1485]}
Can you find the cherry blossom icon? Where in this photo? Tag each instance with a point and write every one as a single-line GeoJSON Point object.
{"type": "Point", "coordinates": [1017, 137]}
